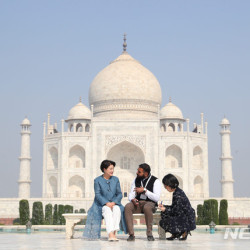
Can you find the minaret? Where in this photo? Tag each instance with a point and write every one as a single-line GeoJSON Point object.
{"type": "Point", "coordinates": [227, 190]}
{"type": "Point", "coordinates": [24, 177]}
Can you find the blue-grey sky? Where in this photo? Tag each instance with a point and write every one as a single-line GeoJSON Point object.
{"type": "Point", "coordinates": [50, 51]}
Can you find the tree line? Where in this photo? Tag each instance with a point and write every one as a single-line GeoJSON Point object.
{"type": "Point", "coordinates": [209, 212]}
{"type": "Point", "coordinates": [52, 215]}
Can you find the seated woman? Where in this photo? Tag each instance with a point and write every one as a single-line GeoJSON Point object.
{"type": "Point", "coordinates": [179, 218]}
{"type": "Point", "coordinates": [107, 205]}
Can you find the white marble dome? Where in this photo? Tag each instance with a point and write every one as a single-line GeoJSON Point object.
{"type": "Point", "coordinates": [78, 112]}
{"type": "Point", "coordinates": [225, 121]}
{"type": "Point", "coordinates": [171, 111]}
{"type": "Point", "coordinates": [25, 121]}
{"type": "Point", "coordinates": [125, 86]}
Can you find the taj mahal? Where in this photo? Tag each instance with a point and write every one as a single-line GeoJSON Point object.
{"type": "Point", "coordinates": [126, 122]}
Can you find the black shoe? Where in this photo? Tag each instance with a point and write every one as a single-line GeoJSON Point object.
{"type": "Point", "coordinates": [184, 236]}
{"type": "Point", "coordinates": [170, 238]}
{"type": "Point", "coordinates": [151, 238]}
{"type": "Point", "coordinates": [131, 238]}
{"type": "Point", "coordinates": [173, 237]}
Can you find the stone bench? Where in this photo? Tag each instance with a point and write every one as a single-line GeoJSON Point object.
{"type": "Point", "coordinates": [73, 219]}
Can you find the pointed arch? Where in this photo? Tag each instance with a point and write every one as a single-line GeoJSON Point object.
{"type": "Point", "coordinates": [76, 187]}
{"type": "Point", "coordinates": [197, 161]}
{"type": "Point", "coordinates": [171, 127]}
{"type": "Point", "coordinates": [173, 157]}
{"type": "Point", "coordinates": [52, 187]}
{"type": "Point", "coordinates": [52, 158]}
{"type": "Point", "coordinates": [127, 157]}
{"type": "Point", "coordinates": [71, 127]}
{"type": "Point", "coordinates": [77, 157]}
{"type": "Point", "coordinates": [163, 128]}
{"type": "Point", "coordinates": [87, 128]}
{"type": "Point", "coordinates": [179, 127]}
{"type": "Point", "coordinates": [79, 127]}
{"type": "Point", "coordinates": [198, 186]}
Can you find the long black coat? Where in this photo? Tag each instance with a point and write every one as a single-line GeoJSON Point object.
{"type": "Point", "coordinates": [180, 216]}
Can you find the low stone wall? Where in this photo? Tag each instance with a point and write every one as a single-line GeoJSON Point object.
{"type": "Point", "coordinates": [6, 221]}
{"type": "Point", "coordinates": [241, 221]}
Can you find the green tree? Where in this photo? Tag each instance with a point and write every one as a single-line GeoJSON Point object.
{"type": "Point", "coordinates": [200, 218]}
{"type": "Point", "coordinates": [223, 215]}
{"type": "Point", "coordinates": [68, 209]}
{"type": "Point", "coordinates": [210, 212]}
{"type": "Point", "coordinates": [60, 216]}
{"type": "Point", "coordinates": [55, 215]}
{"type": "Point", "coordinates": [48, 215]}
{"type": "Point", "coordinates": [82, 211]}
{"type": "Point", "coordinates": [16, 221]}
{"type": "Point", "coordinates": [24, 211]}
{"type": "Point", "coordinates": [37, 213]}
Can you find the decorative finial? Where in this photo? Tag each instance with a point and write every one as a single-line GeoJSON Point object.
{"type": "Point", "coordinates": [124, 43]}
{"type": "Point", "coordinates": [170, 99]}
{"type": "Point", "coordinates": [80, 99]}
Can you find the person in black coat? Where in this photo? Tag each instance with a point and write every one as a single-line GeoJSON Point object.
{"type": "Point", "coordinates": [179, 218]}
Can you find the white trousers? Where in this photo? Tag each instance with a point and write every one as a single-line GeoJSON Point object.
{"type": "Point", "coordinates": [112, 218]}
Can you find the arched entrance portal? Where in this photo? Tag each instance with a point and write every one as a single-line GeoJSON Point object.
{"type": "Point", "coordinates": [173, 157]}
{"type": "Point", "coordinates": [76, 187]}
{"type": "Point", "coordinates": [127, 157]}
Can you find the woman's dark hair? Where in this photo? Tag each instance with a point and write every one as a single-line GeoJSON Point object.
{"type": "Point", "coordinates": [145, 167]}
{"type": "Point", "coordinates": [105, 164]}
{"type": "Point", "coordinates": [170, 180]}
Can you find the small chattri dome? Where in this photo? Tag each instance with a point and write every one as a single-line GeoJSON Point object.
{"type": "Point", "coordinates": [225, 121]}
{"type": "Point", "coordinates": [25, 121]}
{"type": "Point", "coordinates": [171, 111]}
{"type": "Point", "coordinates": [79, 111]}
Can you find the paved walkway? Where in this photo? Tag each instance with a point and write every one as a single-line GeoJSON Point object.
{"type": "Point", "coordinates": [56, 240]}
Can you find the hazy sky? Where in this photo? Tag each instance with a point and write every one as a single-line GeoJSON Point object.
{"type": "Point", "coordinates": [50, 51]}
